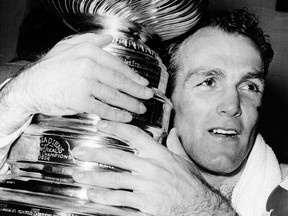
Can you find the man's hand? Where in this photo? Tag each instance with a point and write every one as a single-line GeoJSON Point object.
{"type": "Point", "coordinates": [75, 76]}
{"type": "Point", "coordinates": [160, 181]}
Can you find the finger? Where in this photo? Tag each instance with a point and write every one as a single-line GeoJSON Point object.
{"type": "Point", "coordinates": [96, 72]}
{"type": "Point", "coordinates": [174, 144]}
{"type": "Point", "coordinates": [120, 66]}
{"type": "Point", "coordinates": [110, 62]}
{"type": "Point", "coordinates": [146, 146]}
{"type": "Point", "coordinates": [91, 45]}
{"type": "Point", "coordinates": [97, 40]}
{"type": "Point", "coordinates": [115, 98]}
{"type": "Point", "coordinates": [72, 40]}
{"type": "Point", "coordinates": [111, 180]}
{"type": "Point", "coordinates": [112, 157]}
{"type": "Point", "coordinates": [115, 198]}
{"type": "Point", "coordinates": [116, 80]}
{"type": "Point", "coordinates": [105, 111]}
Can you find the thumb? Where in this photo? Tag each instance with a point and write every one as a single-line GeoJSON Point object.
{"type": "Point", "coordinates": [174, 144]}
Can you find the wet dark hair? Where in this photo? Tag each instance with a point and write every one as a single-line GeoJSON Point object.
{"type": "Point", "coordinates": [239, 21]}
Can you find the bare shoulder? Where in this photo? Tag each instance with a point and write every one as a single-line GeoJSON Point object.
{"type": "Point", "coordinates": [284, 170]}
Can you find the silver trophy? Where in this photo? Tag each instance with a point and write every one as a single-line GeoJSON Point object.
{"type": "Point", "coordinates": [41, 160]}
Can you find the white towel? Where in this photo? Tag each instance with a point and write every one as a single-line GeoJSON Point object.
{"type": "Point", "coordinates": [261, 175]}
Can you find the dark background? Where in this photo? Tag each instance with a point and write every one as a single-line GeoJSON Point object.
{"type": "Point", "coordinates": [273, 19]}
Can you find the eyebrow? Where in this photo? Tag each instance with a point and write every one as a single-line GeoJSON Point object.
{"type": "Point", "coordinates": [255, 75]}
{"type": "Point", "coordinates": [213, 72]}
{"type": "Point", "coordinates": [259, 74]}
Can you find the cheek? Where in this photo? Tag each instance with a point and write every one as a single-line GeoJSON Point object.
{"type": "Point", "coordinates": [190, 114]}
{"type": "Point", "coordinates": [184, 108]}
{"type": "Point", "coordinates": [250, 114]}
{"type": "Point", "coordinates": [188, 103]}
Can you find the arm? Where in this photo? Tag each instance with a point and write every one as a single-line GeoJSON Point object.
{"type": "Point", "coordinates": [75, 76]}
{"type": "Point", "coordinates": [11, 69]}
{"type": "Point", "coordinates": [7, 71]}
{"type": "Point", "coordinates": [161, 181]}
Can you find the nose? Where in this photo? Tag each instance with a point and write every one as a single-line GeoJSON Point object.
{"type": "Point", "coordinates": [229, 104]}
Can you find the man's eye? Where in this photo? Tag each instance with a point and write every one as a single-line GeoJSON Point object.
{"type": "Point", "coordinates": [252, 87]}
{"type": "Point", "coordinates": [208, 82]}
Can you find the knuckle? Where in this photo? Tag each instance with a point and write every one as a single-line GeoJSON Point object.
{"type": "Point", "coordinates": [136, 90]}
{"type": "Point", "coordinates": [104, 112]}
{"type": "Point", "coordinates": [119, 115]}
{"type": "Point", "coordinates": [85, 64]}
{"type": "Point", "coordinates": [133, 104]}
{"type": "Point", "coordinates": [114, 96]}
{"type": "Point", "coordinates": [98, 108]}
{"type": "Point", "coordinates": [119, 78]}
{"type": "Point", "coordinates": [109, 113]}
{"type": "Point", "coordinates": [132, 107]}
{"type": "Point", "coordinates": [94, 195]}
{"type": "Point", "coordinates": [139, 90]}
{"type": "Point", "coordinates": [116, 178]}
{"type": "Point", "coordinates": [85, 48]}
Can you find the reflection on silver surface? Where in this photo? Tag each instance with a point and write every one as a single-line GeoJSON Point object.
{"type": "Point", "coordinates": [41, 160]}
{"type": "Point", "coordinates": [167, 18]}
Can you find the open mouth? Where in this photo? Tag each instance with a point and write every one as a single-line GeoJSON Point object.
{"type": "Point", "coordinates": [223, 132]}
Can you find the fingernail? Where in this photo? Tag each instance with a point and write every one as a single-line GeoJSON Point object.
{"type": "Point", "coordinates": [142, 108]}
{"type": "Point", "coordinates": [143, 81]}
{"type": "Point", "coordinates": [176, 131]}
{"type": "Point", "coordinates": [78, 175]}
{"type": "Point", "coordinates": [127, 117]}
{"type": "Point", "coordinates": [78, 152]}
{"type": "Point", "coordinates": [173, 130]}
{"type": "Point", "coordinates": [101, 124]}
{"type": "Point", "coordinates": [149, 92]}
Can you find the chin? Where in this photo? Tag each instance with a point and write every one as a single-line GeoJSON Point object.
{"type": "Point", "coordinates": [224, 168]}
{"type": "Point", "coordinates": [221, 172]}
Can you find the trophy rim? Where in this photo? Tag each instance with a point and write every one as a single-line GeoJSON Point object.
{"type": "Point", "coordinates": [166, 18]}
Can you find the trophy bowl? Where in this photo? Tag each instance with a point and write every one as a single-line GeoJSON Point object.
{"type": "Point", "coordinates": [41, 160]}
{"type": "Point", "coordinates": [165, 18]}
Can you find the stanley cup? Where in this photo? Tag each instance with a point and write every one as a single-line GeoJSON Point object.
{"type": "Point", "coordinates": [41, 160]}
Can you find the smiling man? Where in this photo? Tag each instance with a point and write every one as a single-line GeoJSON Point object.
{"type": "Point", "coordinates": [215, 162]}
{"type": "Point", "coordinates": [217, 98]}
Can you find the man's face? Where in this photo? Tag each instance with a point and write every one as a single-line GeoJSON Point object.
{"type": "Point", "coordinates": [217, 97]}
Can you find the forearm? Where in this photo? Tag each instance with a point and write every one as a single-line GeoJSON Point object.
{"type": "Point", "coordinates": [12, 114]}
{"type": "Point", "coordinates": [6, 142]}
{"type": "Point", "coordinates": [11, 69]}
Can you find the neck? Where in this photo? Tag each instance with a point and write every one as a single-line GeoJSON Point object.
{"type": "Point", "coordinates": [223, 183]}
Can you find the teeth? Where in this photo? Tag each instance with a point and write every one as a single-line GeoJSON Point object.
{"type": "Point", "coordinates": [225, 132]}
